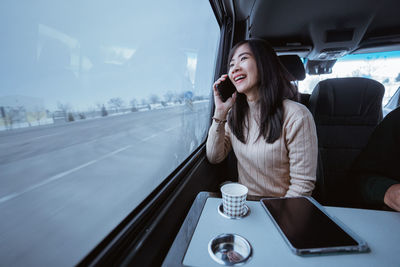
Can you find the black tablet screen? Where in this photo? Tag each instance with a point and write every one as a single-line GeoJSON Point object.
{"type": "Point", "coordinates": [306, 226]}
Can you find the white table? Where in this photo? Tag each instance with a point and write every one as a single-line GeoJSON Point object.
{"type": "Point", "coordinates": [380, 229]}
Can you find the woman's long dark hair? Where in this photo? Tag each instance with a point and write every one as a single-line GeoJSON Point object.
{"type": "Point", "coordinates": [274, 87]}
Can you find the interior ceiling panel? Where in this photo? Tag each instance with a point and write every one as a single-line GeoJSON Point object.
{"type": "Point", "coordinates": [309, 22]}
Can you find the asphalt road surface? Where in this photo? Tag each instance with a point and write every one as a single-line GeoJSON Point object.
{"type": "Point", "coordinates": [63, 188]}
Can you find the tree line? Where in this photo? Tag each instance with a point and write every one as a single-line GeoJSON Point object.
{"type": "Point", "coordinates": [13, 115]}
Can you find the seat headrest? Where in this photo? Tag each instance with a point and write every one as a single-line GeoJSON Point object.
{"type": "Point", "coordinates": [294, 66]}
{"type": "Point", "coordinates": [356, 101]}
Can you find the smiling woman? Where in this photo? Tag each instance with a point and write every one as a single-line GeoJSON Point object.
{"type": "Point", "coordinates": [273, 137]}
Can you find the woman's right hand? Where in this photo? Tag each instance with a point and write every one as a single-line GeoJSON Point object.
{"type": "Point", "coordinates": [222, 108]}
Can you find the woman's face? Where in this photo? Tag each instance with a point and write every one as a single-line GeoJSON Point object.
{"type": "Point", "coordinates": [243, 72]}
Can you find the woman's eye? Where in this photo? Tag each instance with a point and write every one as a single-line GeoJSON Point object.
{"type": "Point", "coordinates": [243, 58]}
{"type": "Point", "coordinates": [230, 65]}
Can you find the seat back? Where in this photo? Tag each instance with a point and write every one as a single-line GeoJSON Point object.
{"type": "Point", "coordinates": [295, 67]}
{"type": "Point", "coordinates": [346, 111]}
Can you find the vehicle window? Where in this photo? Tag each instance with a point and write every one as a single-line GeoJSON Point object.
{"type": "Point", "coordinates": [394, 100]}
{"type": "Point", "coordinates": [383, 67]}
{"type": "Point", "coordinates": [99, 102]}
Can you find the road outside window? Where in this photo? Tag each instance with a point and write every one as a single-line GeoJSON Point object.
{"type": "Point", "coordinates": [99, 102]}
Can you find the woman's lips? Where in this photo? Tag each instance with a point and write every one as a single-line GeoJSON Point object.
{"type": "Point", "coordinates": [239, 78]}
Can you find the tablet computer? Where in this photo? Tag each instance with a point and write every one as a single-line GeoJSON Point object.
{"type": "Point", "coordinates": [308, 229]}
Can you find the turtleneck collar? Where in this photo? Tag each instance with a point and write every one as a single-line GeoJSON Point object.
{"type": "Point", "coordinates": [254, 108]}
{"type": "Point", "coordinates": [253, 105]}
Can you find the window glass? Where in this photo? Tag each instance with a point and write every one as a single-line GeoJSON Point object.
{"type": "Point", "coordinates": [394, 100]}
{"type": "Point", "coordinates": [99, 102]}
{"type": "Point", "coordinates": [383, 67]}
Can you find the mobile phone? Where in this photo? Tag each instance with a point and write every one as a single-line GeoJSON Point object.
{"type": "Point", "coordinates": [308, 229]}
{"type": "Point", "coordinates": [226, 89]}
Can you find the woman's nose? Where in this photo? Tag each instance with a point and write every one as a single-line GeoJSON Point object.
{"type": "Point", "coordinates": [235, 67]}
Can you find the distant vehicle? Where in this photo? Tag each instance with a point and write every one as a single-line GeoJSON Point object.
{"type": "Point", "coordinates": [155, 106]}
{"type": "Point", "coordinates": [59, 116]}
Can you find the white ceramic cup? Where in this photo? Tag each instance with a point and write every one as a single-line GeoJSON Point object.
{"type": "Point", "coordinates": [233, 199]}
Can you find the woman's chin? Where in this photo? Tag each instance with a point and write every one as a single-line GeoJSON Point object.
{"type": "Point", "coordinates": [241, 89]}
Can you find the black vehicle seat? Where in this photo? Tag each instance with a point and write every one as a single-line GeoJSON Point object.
{"type": "Point", "coordinates": [295, 67]}
{"type": "Point", "coordinates": [346, 111]}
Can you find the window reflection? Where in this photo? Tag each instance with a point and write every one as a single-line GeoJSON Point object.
{"type": "Point", "coordinates": [99, 102]}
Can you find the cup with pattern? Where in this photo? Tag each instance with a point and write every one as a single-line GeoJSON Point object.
{"type": "Point", "coordinates": [233, 199]}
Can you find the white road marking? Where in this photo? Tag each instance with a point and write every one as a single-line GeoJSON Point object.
{"type": "Point", "coordinates": [154, 135]}
{"type": "Point", "coordinates": [60, 175]}
{"type": "Point", "coordinates": [172, 128]}
{"type": "Point", "coordinates": [149, 137]}
{"type": "Point", "coordinates": [43, 136]}
{"type": "Point", "coordinates": [33, 139]}
{"type": "Point", "coordinates": [92, 141]}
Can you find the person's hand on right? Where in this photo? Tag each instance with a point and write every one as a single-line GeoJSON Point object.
{"type": "Point", "coordinates": [392, 197]}
{"type": "Point", "coordinates": [222, 108]}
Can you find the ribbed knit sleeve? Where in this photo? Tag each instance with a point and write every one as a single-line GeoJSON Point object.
{"type": "Point", "coordinates": [302, 146]}
{"type": "Point", "coordinates": [218, 142]}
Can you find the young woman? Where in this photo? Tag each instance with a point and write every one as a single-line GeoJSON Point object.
{"type": "Point", "coordinates": [273, 137]}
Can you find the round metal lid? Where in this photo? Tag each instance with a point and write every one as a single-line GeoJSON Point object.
{"type": "Point", "coordinates": [230, 249]}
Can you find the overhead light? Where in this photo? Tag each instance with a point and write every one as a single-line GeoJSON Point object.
{"type": "Point", "coordinates": [332, 53]}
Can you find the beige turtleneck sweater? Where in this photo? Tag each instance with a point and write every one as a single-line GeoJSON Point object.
{"type": "Point", "coordinates": [286, 167]}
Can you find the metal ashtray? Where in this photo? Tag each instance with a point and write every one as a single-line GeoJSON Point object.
{"type": "Point", "coordinates": [246, 212]}
{"type": "Point", "coordinates": [230, 249]}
